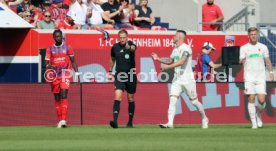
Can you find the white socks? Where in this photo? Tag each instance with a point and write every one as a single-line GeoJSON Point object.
{"type": "Point", "coordinates": [171, 111]}
{"type": "Point", "coordinates": [199, 107]}
{"type": "Point", "coordinates": [252, 113]}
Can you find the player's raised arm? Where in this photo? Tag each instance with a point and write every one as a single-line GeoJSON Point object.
{"type": "Point", "coordinates": [162, 60]}
{"type": "Point", "coordinates": [178, 63]}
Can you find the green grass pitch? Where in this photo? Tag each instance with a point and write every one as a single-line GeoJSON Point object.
{"type": "Point", "coordinates": [140, 138]}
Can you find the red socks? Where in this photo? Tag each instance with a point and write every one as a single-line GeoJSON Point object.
{"type": "Point", "coordinates": [62, 109]}
{"type": "Point", "coordinates": [58, 109]}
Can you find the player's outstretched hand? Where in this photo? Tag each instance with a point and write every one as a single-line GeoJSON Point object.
{"type": "Point", "coordinates": [242, 61]}
{"type": "Point", "coordinates": [271, 76]}
{"type": "Point", "coordinates": [77, 77]}
{"type": "Point", "coordinates": [78, 80]}
{"type": "Point", "coordinates": [164, 67]}
{"type": "Point", "coordinates": [154, 56]}
{"type": "Point", "coordinates": [110, 77]}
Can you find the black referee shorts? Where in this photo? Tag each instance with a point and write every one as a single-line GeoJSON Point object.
{"type": "Point", "coordinates": [124, 81]}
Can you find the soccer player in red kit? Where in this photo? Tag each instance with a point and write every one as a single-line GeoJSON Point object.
{"type": "Point", "coordinates": [60, 60]}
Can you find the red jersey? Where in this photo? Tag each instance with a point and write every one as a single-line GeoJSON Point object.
{"type": "Point", "coordinates": [59, 57]}
{"type": "Point", "coordinates": [210, 13]}
{"type": "Point", "coordinates": [64, 25]}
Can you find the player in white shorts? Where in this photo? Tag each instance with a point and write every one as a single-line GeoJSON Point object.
{"type": "Point", "coordinates": [181, 61]}
{"type": "Point", "coordinates": [255, 56]}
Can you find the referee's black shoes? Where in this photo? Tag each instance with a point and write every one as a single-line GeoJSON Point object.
{"type": "Point", "coordinates": [129, 125]}
{"type": "Point", "coordinates": [113, 124]}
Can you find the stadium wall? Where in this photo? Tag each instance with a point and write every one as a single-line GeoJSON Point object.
{"type": "Point", "coordinates": [91, 104]}
{"type": "Point", "coordinates": [20, 56]}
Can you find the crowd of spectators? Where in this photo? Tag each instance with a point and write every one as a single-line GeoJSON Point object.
{"type": "Point", "coordinates": [85, 14]}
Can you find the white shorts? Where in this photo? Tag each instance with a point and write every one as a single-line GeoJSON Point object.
{"type": "Point", "coordinates": [255, 88]}
{"type": "Point", "coordinates": [179, 86]}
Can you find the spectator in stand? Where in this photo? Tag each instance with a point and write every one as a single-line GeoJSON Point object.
{"type": "Point", "coordinates": [24, 6]}
{"type": "Point", "coordinates": [66, 4]}
{"type": "Point", "coordinates": [114, 10]}
{"type": "Point", "coordinates": [58, 13]}
{"type": "Point", "coordinates": [127, 12]}
{"type": "Point", "coordinates": [37, 3]}
{"type": "Point", "coordinates": [143, 16]}
{"type": "Point", "coordinates": [47, 23]}
{"type": "Point", "coordinates": [68, 23]}
{"type": "Point", "coordinates": [46, 6]}
{"type": "Point", "coordinates": [82, 13]}
{"type": "Point", "coordinates": [96, 21]}
{"type": "Point", "coordinates": [28, 17]}
{"type": "Point", "coordinates": [212, 14]}
{"type": "Point", "coordinates": [14, 3]}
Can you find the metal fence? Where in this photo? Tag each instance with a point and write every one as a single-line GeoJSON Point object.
{"type": "Point", "coordinates": [268, 37]}
{"type": "Point", "coordinates": [239, 22]}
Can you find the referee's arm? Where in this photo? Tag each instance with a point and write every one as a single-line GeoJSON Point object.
{"type": "Point", "coordinates": [112, 61]}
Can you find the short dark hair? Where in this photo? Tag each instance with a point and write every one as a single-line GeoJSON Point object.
{"type": "Point", "coordinates": [124, 0]}
{"type": "Point", "coordinates": [57, 31]}
{"type": "Point", "coordinates": [182, 31]}
{"type": "Point", "coordinates": [252, 29]}
{"type": "Point", "coordinates": [123, 31]}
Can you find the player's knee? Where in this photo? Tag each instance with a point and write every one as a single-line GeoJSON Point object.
{"type": "Point", "coordinates": [57, 97]}
{"type": "Point", "coordinates": [173, 99]}
{"type": "Point", "coordinates": [130, 98]}
{"type": "Point", "coordinates": [64, 96]}
{"type": "Point", "coordinates": [251, 98]}
{"type": "Point", "coordinates": [193, 98]}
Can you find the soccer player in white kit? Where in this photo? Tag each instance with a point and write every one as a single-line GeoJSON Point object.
{"type": "Point", "coordinates": [254, 56]}
{"type": "Point", "coordinates": [181, 61]}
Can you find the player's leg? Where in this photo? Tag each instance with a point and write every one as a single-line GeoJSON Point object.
{"type": "Point", "coordinates": [58, 105]}
{"type": "Point", "coordinates": [64, 86]}
{"type": "Point", "coordinates": [190, 89]}
{"type": "Point", "coordinates": [250, 92]}
{"type": "Point", "coordinates": [252, 110]}
{"type": "Point", "coordinates": [261, 94]}
{"type": "Point", "coordinates": [131, 90]}
{"type": "Point", "coordinates": [119, 87]}
{"type": "Point", "coordinates": [64, 106]}
{"type": "Point", "coordinates": [55, 86]}
{"type": "Point", "coordinates": [116, 107]}
{"type": "Point", "coordinates": [176, 90]}
{"type": "Point", "coordinates": [131, 109]}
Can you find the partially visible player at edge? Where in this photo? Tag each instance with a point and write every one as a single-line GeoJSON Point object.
{"type": "Point", "coordinates": [60, 57]}
{"type": "Point", "coordinates": [254, 56]}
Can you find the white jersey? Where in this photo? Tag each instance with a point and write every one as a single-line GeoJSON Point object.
{"type": "Point", "coordinates": [185, 71]}
{"type": "Point", "coordinates": [254, 66]}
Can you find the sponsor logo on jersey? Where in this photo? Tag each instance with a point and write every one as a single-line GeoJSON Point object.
{"type": "Point", "coordinates": [255, 55]}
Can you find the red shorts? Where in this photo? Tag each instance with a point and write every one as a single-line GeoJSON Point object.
{"type": "Point", "coordinates": [60, 83]}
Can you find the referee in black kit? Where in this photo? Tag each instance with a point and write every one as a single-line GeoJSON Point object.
{"type": "Point", "coordinates": [123, 53]}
